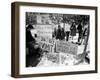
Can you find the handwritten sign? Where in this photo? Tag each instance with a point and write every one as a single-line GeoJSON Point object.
{"type": "Point", "coordinates": [66, 47]}
{"type": "Point", "coordinates": [44, 30]}
{"type": "Point", "coordinates": [67, 59]}
{"type": "Point", "coordinates": [53, 57]}
{"type": "Point", "coordinates": [46, 44]}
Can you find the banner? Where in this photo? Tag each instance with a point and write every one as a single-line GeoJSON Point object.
{"type": "Point", "coordinates": [66, 47]}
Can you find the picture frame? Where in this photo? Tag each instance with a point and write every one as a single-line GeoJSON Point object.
{"type": "Point", "coordinates": [58, 55]}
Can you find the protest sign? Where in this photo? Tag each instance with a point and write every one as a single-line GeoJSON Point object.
{"type": "Point", "coordinates": [46, 44]}
{"type": "Point", "coordinates": [66, 47]}
{"type": "Point", "coordinates": [44, 30]}
{"type": "Point", "coordinates": [67, 59]}
{"type": "Point", "coordinates": [53, 57]}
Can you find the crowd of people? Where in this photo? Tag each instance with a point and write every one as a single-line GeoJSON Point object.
{"type": "Point", "coordinates": [59, 33]}
{"type": "Point", "coordinates": [62, 34]}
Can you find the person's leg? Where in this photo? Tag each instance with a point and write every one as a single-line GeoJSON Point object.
{"type": "Point", "coordinates": [28, 55]}
{"type": "Point", "coordinates": [79, 37]}
{"type": "Point", "coordinates": [68, 35]}
{"type": "Point", "coordinates": [72, 39]}
{"type": "Point", "coordinates": [27, 61]}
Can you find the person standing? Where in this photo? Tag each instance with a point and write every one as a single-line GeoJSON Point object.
{"type": "Point", "coordinates": [34, 51]}
{"type": "Point", "coordinates": [80, 31]}
{"type": "Point", "coordinates": [73, 30]}
{"type": "Point", "coordinates": [58, 36]}
{"type": "Point", "coordinates": [29, 38]}
{"type": "Point", "coordinates": [62, 34]}
{"type": "Point", "coordinates": [67, 31]}
{"type": "Point", "coordinates": [54, 33]}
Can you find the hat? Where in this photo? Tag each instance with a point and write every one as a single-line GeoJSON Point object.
{"type": "Point", "coordinates": [30, 26]}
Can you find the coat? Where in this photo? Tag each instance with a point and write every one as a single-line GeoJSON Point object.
{"type": "Point", "coordinates": [73, 30]}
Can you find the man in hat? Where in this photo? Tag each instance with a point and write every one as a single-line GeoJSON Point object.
{"type": "Point", "coordinates": [34, 51]}
{"type": "Point", "coordinates": [29, 37]}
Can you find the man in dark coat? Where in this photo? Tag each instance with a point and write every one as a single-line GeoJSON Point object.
{"type": "Point", "coordinates": [29, 38]}
{"type": "Point", "coordinates": [34, 52]}
{"type": "Point", "coordinates": [73, 30]}
{"type": "Point", "coordinates": [80, 31]}
{"type": "Point", "coordinates": [62, 34]}
{"type": "Point", "coordinates": [58, 36]}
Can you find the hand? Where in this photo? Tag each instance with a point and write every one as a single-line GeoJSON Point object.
{"type": "Point", "coordinates": [36, 46]}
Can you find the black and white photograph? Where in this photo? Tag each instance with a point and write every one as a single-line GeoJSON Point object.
{"type": "Point", "coordinates": [54, 39]}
